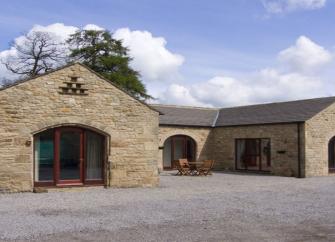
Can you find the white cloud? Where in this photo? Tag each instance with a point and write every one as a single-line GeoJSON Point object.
{"type": "Point", "coordinates": [268, 84]}
{"type": "Point", "coordinates": [274, 85]}
{"type": "Point", "coordinates": [222, 91]}
{"type": "Point", "coordinates": [264, 86]}
{"type": "Point", "coordinates": [178, 94]}
{"type": "Point", "coordinates": [93, 27]}
{"type": "Point", "coordinates": [282, 6]}
{"type": "Point", "coordinates": [151, 57]}
{"type": "Point", "coordinates": [296, 76]}
{"type": "Point", "coordinates": [58, 29]}
{"type": "Point", "coordinates": [305, 55]}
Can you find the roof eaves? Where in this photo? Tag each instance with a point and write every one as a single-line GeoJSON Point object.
{"type": "Point", "coordinates": [187, 125]}
{"type": "Point", "coordinates": [331, 103]}
{"type": "Point", "coordinates": [255, 124]}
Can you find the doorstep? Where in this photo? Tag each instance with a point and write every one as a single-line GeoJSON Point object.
{"type": "Point", "coordinates": [67, 189]}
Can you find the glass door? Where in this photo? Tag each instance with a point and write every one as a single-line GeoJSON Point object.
{"type": "Point", "coordinates": [178, 147]}
{"type": "Point", "coordinates": [190, 149]}
{"type": "Point", "coordinates": [253, 154]}
{"type": "Point", "coordinates": [69, 155]}
{"type": "Point", "coordinates": [94, 157]}
{"type": "Point", "coordinates": [44, 158]}
{"type": "Point", "coordinates": [331, 155]}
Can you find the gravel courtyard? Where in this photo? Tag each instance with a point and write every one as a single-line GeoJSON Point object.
{"type": "Point", "coordinates": [223, 207]}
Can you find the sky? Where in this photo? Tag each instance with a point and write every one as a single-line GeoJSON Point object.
{"type": "Point", "coordinates": [209, 53]}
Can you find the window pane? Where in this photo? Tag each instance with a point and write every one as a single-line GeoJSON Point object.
{"type": "Point", "coordinates": [190, 149]}
{"type": "Point", "coordinates": [44, 156]}
{"type": "Point", "coordinates": [266, 155]}
{"type": "Point", "coordinates": [69, 155]}
{"type": "Point", "coordinates": [248, 154]}
{"type": "Point", "coordinates": [252, 154]}
{"type": "Point", "coordinates": [94, 156]}
{"type": "Point", "coordinates": [178, 148]}
{"type": "Point", "coordinates": [167, 153]}
{"type": "Point", "coordinates": [240, 154]}
{"type": "Point", "coordinates": [331, 150]}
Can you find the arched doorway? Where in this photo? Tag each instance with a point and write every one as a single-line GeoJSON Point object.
{"type": "Point", "coordinates": [178, 147]}
{"type": "Point", "coordinates": [69, 156]}
{"type": "Point", "coordinates": [331, 155]}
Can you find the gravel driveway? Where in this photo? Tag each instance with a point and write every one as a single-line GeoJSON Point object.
{"type": "Point", "coordinates": [223, 207]}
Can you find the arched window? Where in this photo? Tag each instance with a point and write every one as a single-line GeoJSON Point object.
{"type": "Point", "coordinates": [69, 156]}
{"type": "Point", "coordinates": [331, 155]}
{"type": "Point", "coordinates": [178, 147]}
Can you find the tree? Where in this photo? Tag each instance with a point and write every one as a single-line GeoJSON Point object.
{"type": "Point", "coordinates": [107, 56]}
{"type": "Point", "coordinates": [36, 53]}
{"type": "Point", "coordinates": [4, 82]}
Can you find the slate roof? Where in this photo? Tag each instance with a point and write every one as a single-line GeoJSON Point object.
{"type": "Point", "coordinates": [186, 116]}
{"type": "Point", "coordinates": [280, 112]}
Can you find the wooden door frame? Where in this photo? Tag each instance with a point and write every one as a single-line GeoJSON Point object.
{"type": "Point", "coordinates": [260, 168]}
{"type": "Point", "coordinates": [331, 155]}
{"type": "Point", "coordinates": [56, 164]}
{"type": "Point", "coordinates": [103, 173]}
{"type": "Point", "coordinates": [58, 132]}
{"type": "Point", "coordinates": [184, 151]}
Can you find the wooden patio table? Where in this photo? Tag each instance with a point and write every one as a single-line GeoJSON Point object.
{"type": "Point", "coordinates": [194, 165]}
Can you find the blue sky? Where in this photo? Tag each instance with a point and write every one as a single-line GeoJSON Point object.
{"type": "Point", "coordinates": [234, 39]}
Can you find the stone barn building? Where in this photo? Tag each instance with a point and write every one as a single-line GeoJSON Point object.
{"type": "Point", "coordinates": [72, 127]}
{"type": "Point", "coordinates": [294, 138]}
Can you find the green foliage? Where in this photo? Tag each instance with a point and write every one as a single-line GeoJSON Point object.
{"type": "Point", "coordinates": [105, 55]}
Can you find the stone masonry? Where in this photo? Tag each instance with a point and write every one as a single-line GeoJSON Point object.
{"type": "Point", "coordinates": [219, 144]}
{"type": "Point", "coordinates": [284, 146]}
{"type": "Point", "coordinates": [201, 136]}
{"type": "Point", "coordinates": [135, 139]}
{"type": "Point", "coordinates": [36, 105]}
{"type": "Point", "coordinates": [319, 130]}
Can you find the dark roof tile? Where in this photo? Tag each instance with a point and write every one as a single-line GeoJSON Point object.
{"type": "Point", "coordinates": [186, 116]}
{"type": "Point", "coordinates": [281, 112]}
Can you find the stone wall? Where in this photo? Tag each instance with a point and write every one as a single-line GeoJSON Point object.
{"type": "Point", "coordinates": [319, 130]}
{"type": "Point", "coordinates": [36, 104]}
{"type": "Point", "coordinates": [283, 138]}
{"type": "Point", "coordinates": [200, 135]}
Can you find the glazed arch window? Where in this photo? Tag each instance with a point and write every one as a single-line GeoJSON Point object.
{"type": "Point", "coordinates": [44, 156]}
{"type": "Point", "coordinates": [178, 147]}
{"type": "Point", "coordinates": [69, 156]}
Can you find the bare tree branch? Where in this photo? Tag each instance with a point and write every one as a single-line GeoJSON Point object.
{"type": "Point", "coordinates": [5, 82]}
{"type": "Point", "coordinates": [37, 53]}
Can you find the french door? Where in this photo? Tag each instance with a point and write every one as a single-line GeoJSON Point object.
{"type": "Point", "coordinates": [69, 156]}
{"type": "Point", "coordinates": [331, 155]}
{"type": "Point", "coordinates": [178, 147]}
{"type": "Point", "coordinates": [253, 154]}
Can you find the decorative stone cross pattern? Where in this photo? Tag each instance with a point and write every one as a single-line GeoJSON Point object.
{"type": "Point", "coordinates": [73, 87]}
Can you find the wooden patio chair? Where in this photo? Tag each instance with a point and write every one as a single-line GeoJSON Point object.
{"type": "Point", "coordinates": [206, 168]}
{"type": "Point", "coordinates": [183, 167]}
